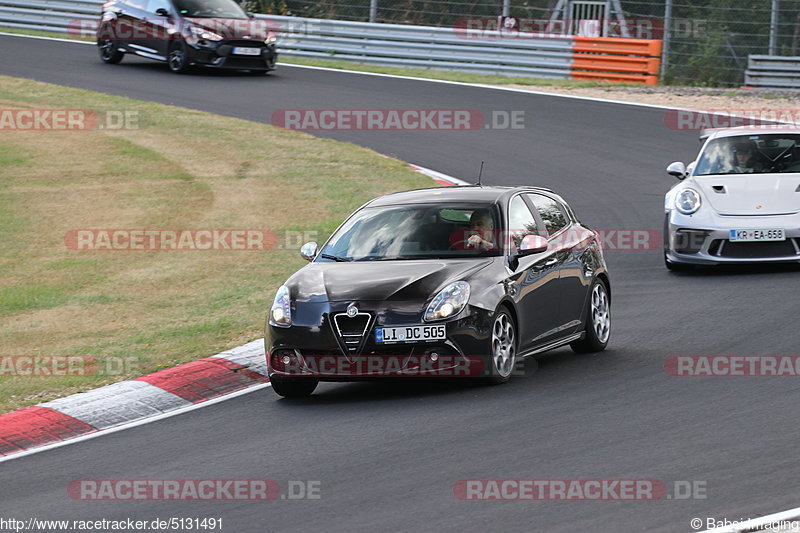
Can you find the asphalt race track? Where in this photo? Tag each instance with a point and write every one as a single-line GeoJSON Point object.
{"type": "Point", "coordinates": [388, 455]}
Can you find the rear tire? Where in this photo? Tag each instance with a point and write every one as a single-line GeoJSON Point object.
{"type": "Point", "coordinates": [504, 347]}
{"type": "Point", "coordinates": [597, 330]}
{"type": "Point", "coordinates": [293, 387]}
{"type": "Point", "coordinates": [109, 52]}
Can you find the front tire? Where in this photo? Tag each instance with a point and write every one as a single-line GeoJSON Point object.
{"type": "Point", "coordinates": [504, 347]}
{"type": "Point", "coordinates": [109, 52]}
{"type": "Point", "coordinates": [598, 321]}
{"type": "Point", "coordinates": [177, 58]}
{"type": "Point", "coordinates": [293, 387]}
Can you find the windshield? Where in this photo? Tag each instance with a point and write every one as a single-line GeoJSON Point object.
{"type": "Point", "coordinates": [419, 231]}
{"type": "Point", "coordinates": [750, 154]}
{"type": "Point", "coordinates": [210, 9]}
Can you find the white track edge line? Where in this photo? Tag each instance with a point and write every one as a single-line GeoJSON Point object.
{"type": "Point", "coordinates": [43, 38]}
{"type": "Point", "coordinates": [749, 525]}
{"type": "Point", "coordinates": [141, 422]}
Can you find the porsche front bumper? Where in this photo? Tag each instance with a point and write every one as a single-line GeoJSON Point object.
{"type": "Point", "coordinates": [704, 239]}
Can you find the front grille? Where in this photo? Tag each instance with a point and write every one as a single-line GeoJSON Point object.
{"type": "Point", "coordinates": [204, 56]}
{"type": "Point", "coordinates": [352, 330]}
{"type": "Point", "coordinates": [245, 62]}
{"type": "Point", "coordinates": [756, 250]}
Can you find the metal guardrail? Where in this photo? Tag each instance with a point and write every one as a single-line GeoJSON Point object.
{"type": "Point", "coordinates": [427, 47]}
{"type": "Point", "coordinates": [47, 15]}
{"type": "Point", "coordinates": [774, 72]}
{"type": "Point", "coordinates": [424, 47]}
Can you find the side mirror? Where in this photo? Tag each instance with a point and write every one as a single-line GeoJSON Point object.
{"type": "Point", "coordinates": [677, 169]}
{"type": "Point", "coordinates": [161, 12]}
{"type": "Point", "coordinates": [309, 251]}
{"type": "Point", "coordinates": [531, 244]}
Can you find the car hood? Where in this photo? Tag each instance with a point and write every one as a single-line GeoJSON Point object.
{"type": "Point", "coordinates": [248, 29]}
{"type": "Point", "coordinates": [379, 280]}
{"type": "Point", "coordinates": [752, 194]}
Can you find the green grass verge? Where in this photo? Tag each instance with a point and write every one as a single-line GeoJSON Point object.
{"type": "Point", "coordinates": [140, 311]}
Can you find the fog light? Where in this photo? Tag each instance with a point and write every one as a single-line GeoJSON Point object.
{"type": "Point", "coordinates": [689, 241]}
{"type": "Point", "coordinates": [434, 357]}
{"type": "Point", "coordinates": [286, 361]}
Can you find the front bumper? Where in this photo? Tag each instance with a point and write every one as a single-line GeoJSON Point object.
{"type": "Point", "coordinates": [314, 347]}
{"type": "Point", "coordinates": [220, 55]}
{"type": "Point", "coordinates": [704, 239]}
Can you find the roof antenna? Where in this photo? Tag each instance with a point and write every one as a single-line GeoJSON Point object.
{"type": "Point", "coordinates": [480, 173]}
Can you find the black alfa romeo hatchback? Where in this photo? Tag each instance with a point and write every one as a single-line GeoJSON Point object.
{"type": "Point", "coordinates": [452, 281]}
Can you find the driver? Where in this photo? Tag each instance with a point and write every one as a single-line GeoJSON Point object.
{"type": "Point", "coordinates": [745, 157]}
{"type": "Point", "coordinates": [481, 224]}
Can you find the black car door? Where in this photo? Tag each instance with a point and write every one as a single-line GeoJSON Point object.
{"type": "Point", "coordinates": [565, 239]}
{"type": "Point", "coordinates": [123, 19]}
{"type": "Point", "coordinates": [131, 21]}
{"type": "Point", "coordinates": [533, 281]}
{"type": "Point", "coordinates": [159, 21]}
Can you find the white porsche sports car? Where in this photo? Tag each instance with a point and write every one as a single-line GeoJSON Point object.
{"type": "Point", "coordinates": [738, 202]}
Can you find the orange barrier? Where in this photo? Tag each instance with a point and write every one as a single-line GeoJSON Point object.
{"type": "Point", "coordinates": [616, 59]}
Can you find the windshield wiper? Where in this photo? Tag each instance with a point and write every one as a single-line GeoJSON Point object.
{"type": "Point", "coordinates": [334, 258]}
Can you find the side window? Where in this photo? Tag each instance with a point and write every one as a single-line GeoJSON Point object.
{"type": "Point", "coordinates": [552, 213]}
{"type": "Point", "coordinates": [155, 5]}
{"type": "Point", "coordinates": [520, 221]}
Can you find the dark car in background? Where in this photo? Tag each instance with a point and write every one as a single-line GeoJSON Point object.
{"type": "Point", "coordinates": [430, 281]}
{"type": "Point", "coordinates": [186, 33]}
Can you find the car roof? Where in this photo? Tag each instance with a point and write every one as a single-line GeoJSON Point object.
{"type": "Point", "coordinates": [766, 129]}
{"type": "Point", "coordinates": [464, 193]}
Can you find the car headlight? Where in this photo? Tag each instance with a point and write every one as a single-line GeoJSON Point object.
{"type": "Point", "coordinates": [687, 201]}
{"type": "Point", "coordinates": [449, 302]}
{"type": "Point", "coordinates": [271, 39]}
{"type": "Point", "coordinates": [200, 33]}
{"type": "Point", "coordinates": [281, 312]}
